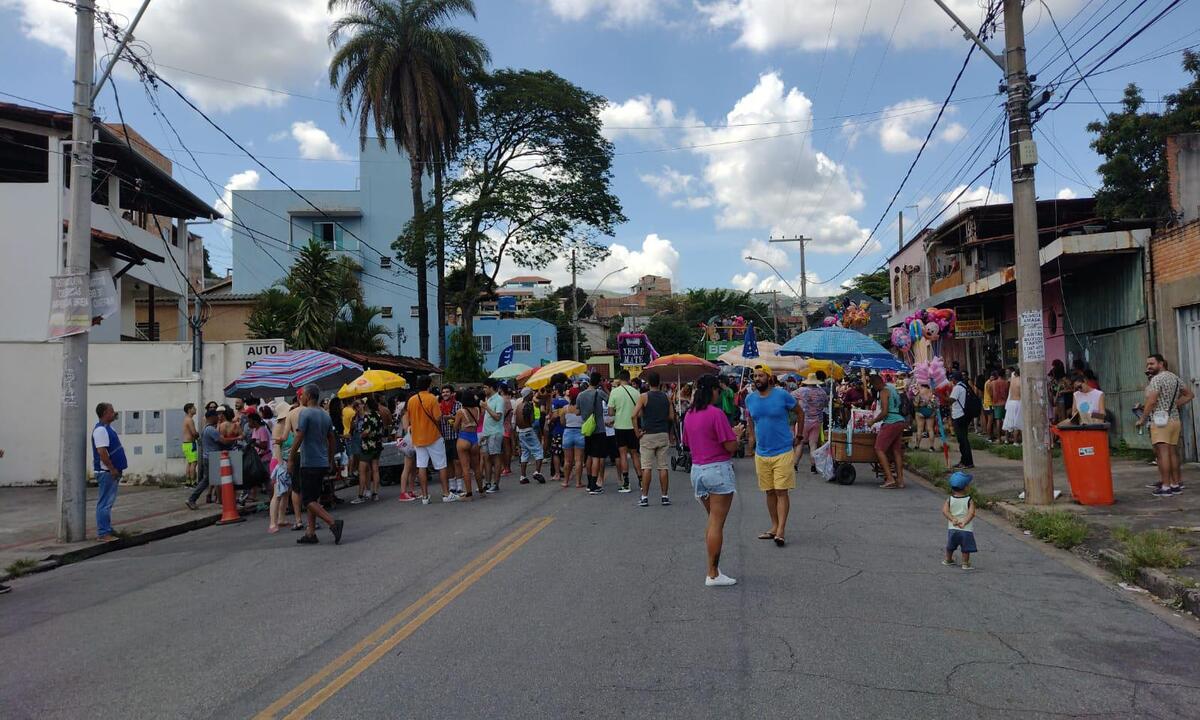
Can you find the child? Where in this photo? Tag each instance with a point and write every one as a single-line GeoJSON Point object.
{"type": "Point", "coordinates": [959, 511]}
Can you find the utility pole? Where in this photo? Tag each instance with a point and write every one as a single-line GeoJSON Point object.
{"type": "Point", "coordinates": [775, 314]}
{"type": "Point", "coordinates": [803, 275]}
{"type": "Point", "coordinates": [574, 310]}
{"type": "Point", "coordinates": [72, 463]}
{"type": "Point", "coordinates": [1039, 479]}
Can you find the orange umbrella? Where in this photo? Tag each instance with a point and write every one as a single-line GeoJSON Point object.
{"type": "Point", "coordinates": [526, 375]}
{"type": "Point", "coordinates": [683, 366]}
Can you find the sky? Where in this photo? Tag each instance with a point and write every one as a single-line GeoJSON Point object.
{"type": "Point", "coordinates": [734, 121]}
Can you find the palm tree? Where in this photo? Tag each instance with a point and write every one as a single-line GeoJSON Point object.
{"type": "Point", "coordinates": [356, 329]}
{"type": "Point", "coordinates": [405, 71]}
{"type": "Point", "coordinates": [316, 282]}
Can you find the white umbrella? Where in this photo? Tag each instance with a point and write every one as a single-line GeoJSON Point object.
{"type": "Point", "coordinates": [768, 354]}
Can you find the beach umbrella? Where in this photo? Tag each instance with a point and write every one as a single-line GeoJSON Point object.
{"type": "Point", "coordinates": [282, 374]}
{"type": "Point", "coordinates": [834, 343]}
{"type": "Point", "coordinates": [685, 368]}
{"type": "Point", "coordinates": [880, 363]}
{"type": "Point", "coordinates": [750, 343]}
{"type": "Point", "coordinates": [768, 353]}
{"type": "Point", "coordinates": [509, 371]}
{"type": "Point", "coordinates": [541, 378]}
{"type": "Point", "coordinates": [372, 381]}
{"type": "Point", "coordinates": [523, 377]}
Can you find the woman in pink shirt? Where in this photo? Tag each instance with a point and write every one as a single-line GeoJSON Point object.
{"type": "Point", "coordinates": [707, 433]}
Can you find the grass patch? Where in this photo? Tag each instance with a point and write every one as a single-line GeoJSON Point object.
{"type": "Point", "coordinates": [1152, 548]}
{"type": "Point", "coordinates": [21, 567]}
{"type": "Point", "coordinates": [1060, 528]}
{"type": "Point", "coordinates": [1008, 452]}
{"type": "Point", "coordinates": [1125, 452]}
{"type": "Point", "coordinates": [123, 534]}
{"type": "Point", "coordinates": [933, 468]}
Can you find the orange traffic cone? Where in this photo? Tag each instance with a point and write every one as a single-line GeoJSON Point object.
{"type": "Point", "coordinates": [229, 511]}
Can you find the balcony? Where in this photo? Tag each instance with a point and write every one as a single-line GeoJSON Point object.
{"type": "Point", "coordinates": [954, 279]}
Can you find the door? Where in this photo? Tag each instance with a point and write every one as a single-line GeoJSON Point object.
{"type": "Point", "coordinates": [1188, 320]}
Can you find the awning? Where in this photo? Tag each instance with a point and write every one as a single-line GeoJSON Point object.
{"type": "Point", "coordinates": [396, 363]}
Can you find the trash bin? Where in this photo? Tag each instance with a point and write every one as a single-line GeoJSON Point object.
{"type": "Point", "coordinates": [1085, 455]}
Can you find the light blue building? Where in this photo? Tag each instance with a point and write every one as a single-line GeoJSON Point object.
{"type": "Point", "coordinates": [535, 342]}
{"type": "Point", "coordinates": [270, 226]}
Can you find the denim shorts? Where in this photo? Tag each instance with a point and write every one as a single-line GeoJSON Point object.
{"type": "Point", "coordinates": [960, 538]}
{"type": "Point", "coordinates": [572, 439]}
{"type": "Point", "coordinates": [492, 444]}
{"type": "Point", "coordinates": [713, 479]}
{"type": "Point", "coordinates": [531, 445]}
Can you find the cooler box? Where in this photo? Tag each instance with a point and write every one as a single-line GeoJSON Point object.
{"type": "Point", "coordinates": [1085, 455]}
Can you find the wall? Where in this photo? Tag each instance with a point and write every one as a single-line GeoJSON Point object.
{"type": "Point", "coordinates": [30, 246]}
{"type": "Point", "coordinates": [908, 301]}
{"type": "Point", "coordinates": [1176, 259]}
{"type": "Point", "coordinates": [1183, 171]}
{"type": "Point", "coordinates": [543, 340]}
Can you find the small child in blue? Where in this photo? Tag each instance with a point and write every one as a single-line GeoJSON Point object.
{"type": "Point", "coordinates": [959, 511]}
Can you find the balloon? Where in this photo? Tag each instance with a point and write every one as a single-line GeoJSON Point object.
{"type": "Point", "coordinates": [931, 331]}
{"type": "Point", "coordinates": [915, 330]}
{"type": "Point", "coordinates": [830, 321]}
{"type": "Point", "coordinates": [900, 338]}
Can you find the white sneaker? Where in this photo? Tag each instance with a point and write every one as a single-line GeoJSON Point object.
{"type": "Point", "coordinates": [450, 498]}
{"type": "Point", "coordinates": [721, 580]}
{"type": "Point", "coordinates": [425, 500]}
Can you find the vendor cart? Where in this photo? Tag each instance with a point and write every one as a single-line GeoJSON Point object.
{"type": "Point", "coordinates": [860, 449]}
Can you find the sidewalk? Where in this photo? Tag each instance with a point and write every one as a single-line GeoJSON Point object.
{"type": "Point", "coordinates": [1001, 480]}
{"type": "Point", "coordinates": [29, 522]}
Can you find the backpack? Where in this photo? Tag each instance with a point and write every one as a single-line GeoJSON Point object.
{"type": "Point", "coordinates": [972, 406]}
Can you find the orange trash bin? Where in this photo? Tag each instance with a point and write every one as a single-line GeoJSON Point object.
{"type": "Point", "coordinates": [1089, 469]}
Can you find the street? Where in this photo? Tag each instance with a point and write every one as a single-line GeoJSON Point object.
{"type": "Point", "coordinates": [542, 602]}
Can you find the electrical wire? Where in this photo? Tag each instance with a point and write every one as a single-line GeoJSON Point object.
{"type": "Point", "coordinates": [1074, 62]}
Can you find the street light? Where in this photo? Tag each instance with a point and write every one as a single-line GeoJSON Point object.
{"type": "Point", "coordinates": [802, 299]}
{"type": "Point", "coordinates": [587, 301]}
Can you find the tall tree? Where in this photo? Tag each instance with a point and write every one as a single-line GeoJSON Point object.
{"type": "Point", "coordinates": [873, 284]}
{"type": "Point", "coordinates": [405, 70]}
{"type": "Point", "coordinates": [535, 180]}
{"type": "Point", "coordinates": [356, 329]}
{"type": "Point", "coordinates": [317, 282]}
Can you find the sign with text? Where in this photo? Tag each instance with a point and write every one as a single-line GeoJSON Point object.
{"type": "Point", "coordinates": [970, 322]}
{"type": "Point", "coordinates": [635, 349]}
{"type": "Point", "coordinates": [258, 351]}
{"type": "Point", "coordinates": [1033, 337]}
{"type": "Point", "coordinates": [714, 349]}
{"type": "Point", "coordinates": [103, 294]}
{"type": "Point", "coordinates": [70, 305]}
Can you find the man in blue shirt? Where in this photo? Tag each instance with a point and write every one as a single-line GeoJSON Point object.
{"type": "Point", "coordinates": [770, 420]}
{"type": "Point", "coordinates": [109, 463]}
{"type": "Point", "coordinates": [310, 460]}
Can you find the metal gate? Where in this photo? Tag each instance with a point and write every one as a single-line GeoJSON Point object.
{"type": "Point", "coordinates": [1188, 319]}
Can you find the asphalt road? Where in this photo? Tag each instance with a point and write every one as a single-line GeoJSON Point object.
{"type": "Point", "coordinates": [547, 603]}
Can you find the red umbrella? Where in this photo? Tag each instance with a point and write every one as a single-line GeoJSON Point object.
{"type": "Point", "coordinates": [526, 375]}
{"type": "Point", "coordinates": [684, 367]}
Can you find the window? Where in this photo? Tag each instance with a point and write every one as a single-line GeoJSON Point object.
{"type": "Point", "coordinates": [385, 262]}
{"type": "Point", "coordinates": [385, 311]}
{"type": "Point", "coordinates": [148, 331]}
{"type": "Point", "coordinates": [24, 157]}
{"type": "Point", "coordinates": [522, 343]}
{"type": "Point", "coordinates": [414, 311]}
{"type": "Point", "coordinates": [549, 346]}
{"type": "Point", "coordinates": [484, 342]}
{"type": "Point", "coordinates": [331, 235]}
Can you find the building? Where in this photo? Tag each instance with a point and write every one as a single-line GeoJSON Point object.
{"type": "Point", "coordinates": [638, 303]}
{"type": "Point", "coordinates": [535, 342]}
{"type": "Point", "coordinates": [224, 321]}
{"type": "Point", "coordinates": [1093, 291]}
{"type": "Point", "coordinates": [270, 227]}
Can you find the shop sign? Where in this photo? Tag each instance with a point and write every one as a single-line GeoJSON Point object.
{"type": "Point", "coordinates": [970, 322]}
{"type": "Point", "coordinates": [714, 349]}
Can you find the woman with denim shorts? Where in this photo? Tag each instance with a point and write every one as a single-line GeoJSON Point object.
{"type": "Point", "coordinates": [707, 433]}
{"type": "Point", "coordinates": [572, 440]}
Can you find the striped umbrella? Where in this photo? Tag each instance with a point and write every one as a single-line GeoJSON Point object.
{"type": "Point", "coordinates": [281, 375]}
{"type": "Point", "coordinates": [541, 378]}
{"type": "Point", "coordinates": [372, 381]}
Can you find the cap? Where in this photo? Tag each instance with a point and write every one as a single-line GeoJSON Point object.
{"type": "Point", "coordinates": [960, 480]}
{"type": "Point", "coordinates": [764, 368]}
{"type": "Point", "coordinates": [526, 392]}
{"type": "Point", "coordinates": [572, 394]}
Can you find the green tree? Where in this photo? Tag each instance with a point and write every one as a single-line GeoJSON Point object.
{"type": "Point", "coordinates": [356, 329]}
{"type": "Point", "coordinates": [551, 310]}
{"type": "Point", "coordinates": [671, 335]}
{"type": "Point", "coordinates": [403, 69]}
{"type": "Point", "coordinates": [873, 284]}
{"type": "Point", "coordinates": [273, 316]}
{"type": "Point", "coordinates": [464, 363]}
{"type": "Point", "coordinates": [581, 298]}
{"type": "Point", "coordinates": [316, 281]}
{"type": "Point", "coordinates": [1134, 171]}
{"type": "Point", "coordinates": [702, 306]}
{"type": "Point", "coordinates": [208, 270]}
{"type": "Point", "coordinates": [535, 180]}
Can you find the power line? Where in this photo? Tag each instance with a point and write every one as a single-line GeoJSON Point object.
{"type": "Point", "coordinates": [1074, 62]}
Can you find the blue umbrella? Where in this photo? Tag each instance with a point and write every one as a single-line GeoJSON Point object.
{"type": "Point", "coordinates": [880, 363]}
{"type": "Point", "coordinates": [838, 344]}
{"type": "Point", "coordinates": [750, 346]}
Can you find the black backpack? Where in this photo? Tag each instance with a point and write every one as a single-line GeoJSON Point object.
{"type": "Point", "coordinates": [972, 406]}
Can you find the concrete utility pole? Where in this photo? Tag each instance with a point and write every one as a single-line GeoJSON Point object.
{"type": "Point", "coordinates": [1039, 480]}
{"type": "Point", "coordinates": [73, 432]}
{"type": "Point", "coordinates": [574, 310]}
{"type": "Point", "coordinates": [803, 274]}
{"type": "Point", "coordinates": [900, 243]}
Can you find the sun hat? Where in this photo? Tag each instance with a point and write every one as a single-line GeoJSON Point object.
{"type": "Point", "coordinates": [811, 380]}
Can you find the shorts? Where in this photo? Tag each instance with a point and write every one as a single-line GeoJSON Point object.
{"type": "Point", "coordinates": [189, 452]}
{"type": "Point", "coordinates": [369, 455]}
{"type": "Point", "coordinates": [889, 437]}
{"type": "Point", "coordinates": [811, 433]}
{"type": "Point", "coordinates": [492, 444]}
{"type": "Point", "coordinates": [531, 445]}
{"type": "Point", "coordinates": [654, 447]}
{"type": "Point", "coordinates": [1166, 435]}
{"type": "Point", "coordinates": [714, 479]}
{"type": "Point", "coordinates": [311, 482]}
{"type": "Point", "coordinates": [595, 445]}
{"type": "Point", "coordinates": [627, 439]}
{"type": "Point", "coordinates": [354, 446]}
{"type": "Point", "coordinates": [998, 412]}
{"type": "Point", "coordinates": [451, 449]}
{"type": "Point", "coordinates": [556, 444]}
{"type": "Point", "coordinates": [610, 445]}
{"type": "Point", "coordinates": [927, 412]}
{"type": "Point", "coordinates": [434, 453]}
{"type": "Point", "coordinates": [776, 472]}
{"type": "Point", "coordinates": [573, 439]}
{"type": "Point", "coordinates": [964, 539]}
{"type": "Point", "coordinates": [282, 480]}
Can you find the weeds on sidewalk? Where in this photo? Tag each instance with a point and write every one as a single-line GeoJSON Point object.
{"type": "Point", "coordinates": [20, 567]}
{"type": "Point", "coordinates": [933, 468]}
{"type": "Point", "coordinates": [123, 534]}
{"type": "Point", "coordinates": [1008, 452]}
{"type": "Point", "coordinates": [1131, 453]}
{"type": "Point", "coordinates": [1061, 529]}
{"type": "Point", "coordinates": [1151, 548]}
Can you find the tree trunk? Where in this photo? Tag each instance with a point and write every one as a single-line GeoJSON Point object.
{"type": "Point", "coordinates": [422, 268]}
{"type": "Point", "coordinates": [439, 207]}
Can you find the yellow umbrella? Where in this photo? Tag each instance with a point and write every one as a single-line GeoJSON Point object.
{"type": "Point", "coordinates": [541, 378]}
{"type": "Point", "coordinates": [372, 381]}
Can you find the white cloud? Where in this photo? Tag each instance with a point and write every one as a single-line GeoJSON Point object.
{"type": "Point", "coordinates": [971, 197]}
{"type": "Point", "coordinates": [611, 12]}
{"type": "Point", "coordinates": [751, 281]}
{"type": "Point", "coordinates": [314, 143]}
{"type": "Point", "coordinates": [245, 180]}
{"type": "Point", "coordinates": [1066, 194]}
{"type": "Point", "coordinates": [288, 49]}
{"type": "Point", "coordinates": [656, 256]}
{"type": "Point", "coordinates": [804, 24]}
{"type": "Point", "coordinates": [671, 183]}
{"type": "Point", "coordinates": [639, 117]}
{"type": "Point", "coordinates": [903, 126]}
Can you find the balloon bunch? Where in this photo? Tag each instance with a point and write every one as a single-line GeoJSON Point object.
{"type": "Point", "coordinates": [900, 338]}
{"type": "Point", "coordinates": [847, 314]}
{"type": "Point", "coordinates": [930, 323]}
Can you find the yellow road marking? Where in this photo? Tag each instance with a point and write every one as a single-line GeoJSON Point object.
{"type": "Point", "coordinates": [271, 711]}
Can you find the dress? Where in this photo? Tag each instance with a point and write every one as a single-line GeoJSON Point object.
{"type": "Point", "coordinates": [371, 434]}
{"type": "Point", "coordinates": [1012, 415]}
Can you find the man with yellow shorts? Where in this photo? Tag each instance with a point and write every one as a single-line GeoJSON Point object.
{"type": "Point", "coordinates": [770, 418]}
{"type": "Point", "coordinates": [1165, 394]}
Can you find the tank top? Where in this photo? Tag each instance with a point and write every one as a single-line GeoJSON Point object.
{"type": "Point", "coordinates": [572, 420]}
{"type": "Point", "coordinates": [656, 415]}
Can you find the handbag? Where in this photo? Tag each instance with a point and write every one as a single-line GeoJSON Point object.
{"type": "Point", "coordinates": [589, 426]}
{"type": "Point", "coordinates": [1160, 418]}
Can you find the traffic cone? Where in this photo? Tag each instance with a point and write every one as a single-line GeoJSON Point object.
{"type": "Point", "coordinates": [229, 511]}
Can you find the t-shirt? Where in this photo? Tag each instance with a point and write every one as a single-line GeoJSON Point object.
{"type": "Point", "coordinates": [623, 401]}
{"type": "Point", "coordinates": [729, 403]}
{"type": "Point", "coordinates": [262, 436]}
{"type": "Point", "coordinates": [1169, 389]}
{"type": "Point", "coordinates": [316, 426]}
{"type": "Point", "coordinates": [958, 401]}
{"type": "Point", "coordinates": [347, 419]}
{"type": "Point", "coordinates": [210, 441]}
{"type": "Point", "coordinates": [424, 416]}
{"type": "Point", "coordinates": [557, 404]}
{"type": "Point", "coordinates": [493, 426]}
{"type": "Point", "coordinates": [591, 403]}
{"type": "Point", "coordinates": [1088, 405]}
{"type": "Point", "coordinates": [813, 401]}
{"type": "Point", "coordinates": [705, 432]}
{"type": "Point", "coordinates": [772, 425]}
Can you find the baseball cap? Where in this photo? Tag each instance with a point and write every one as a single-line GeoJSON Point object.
{"type": "Point", "coordinates": [526, 392]}
{"type": "Point", "coordinates": [764, 368]}
{"type": "Point", "coordinates": [960, 480]}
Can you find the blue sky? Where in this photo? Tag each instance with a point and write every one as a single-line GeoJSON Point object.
{"type": "Point", "coordinates": [733, 119]}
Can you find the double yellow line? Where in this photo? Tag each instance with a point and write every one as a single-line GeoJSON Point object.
{"type": "Point", "coordinates": [379, 643]}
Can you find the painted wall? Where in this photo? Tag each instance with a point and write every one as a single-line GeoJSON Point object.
{"type": "Point", "coordinates": [543, 340]}
{"type": "Point", "coordinates": [911, 299]}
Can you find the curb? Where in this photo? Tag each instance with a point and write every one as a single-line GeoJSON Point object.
{"type": "Point", "coordinates": [1154, 581]}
